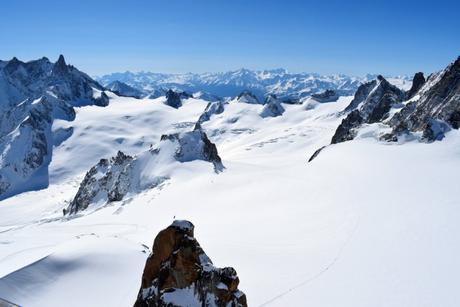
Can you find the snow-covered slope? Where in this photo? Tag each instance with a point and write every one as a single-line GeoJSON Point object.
{"type": "Point", "coordinates": [229, 84]}
{"type": "Point", "coordinates": [327, 233]}
{"type": "Point", "coordinates": [367, 223]}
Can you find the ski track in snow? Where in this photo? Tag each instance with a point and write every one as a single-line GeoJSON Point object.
{"type": "Point", "coordinates": [318, 275]}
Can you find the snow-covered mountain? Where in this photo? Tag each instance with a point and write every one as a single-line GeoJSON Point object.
{"type": "Point", "coordinates": [32, 96]}
{"type": "Point", "coordinates": [376, 210]}
{"type": "Point", "coordinates": [229, 84]}
{"type": "Point", "coordinates": [123, 89]}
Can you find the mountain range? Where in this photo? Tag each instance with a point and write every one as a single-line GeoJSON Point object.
{"type": "Point", "coordinates": [310, 187]}
{"type": "Point", "coordinates": [229, 84]}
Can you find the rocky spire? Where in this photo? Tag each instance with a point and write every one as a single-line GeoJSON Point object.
{"type": "Point", "coordinates": [178, 266]}
{"type": "Point", "coordinates": [173, 99]}
{"type": "Point", "coordinates": [60, 67]}
{"type": "Point", "coordinates": [417, 83]}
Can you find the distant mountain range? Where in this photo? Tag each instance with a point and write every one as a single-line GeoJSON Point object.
{"type": "Point", "coordinates": [260, 83]}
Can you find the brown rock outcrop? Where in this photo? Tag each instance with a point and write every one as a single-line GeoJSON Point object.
{"type": "Point", "coordinates": [179, 273]}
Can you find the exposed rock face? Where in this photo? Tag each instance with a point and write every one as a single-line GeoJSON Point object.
{"type": "Point", "coordinates": [112, 179]}
{"type": "Point", "coordinates": [417, 83]}
{"type": "Point", "coordinates": [195, 145]}
{"type": "Point", "coordinates": [345, 131]}
{"type": "Point", "coordinates": [123, 89]}
{"type": "Point", "coordinates": [272, 107]}
{"type": "Point", "coordinates": [216, 107]}
{"type": "Point", "coordinates": [26, 150]}
{"type": "Point", "coordinates": [32, 95]}
{"type": "Point", "coordinates": [362, 93]}
{"type": "Point", "coordinates": [375, 107]}
{"type": "Point", "coordinates": [247, 97]}
{"type": "Point", "coordinates": [179, 273]}
{"type": "Point", "coordinates": [326, 96]}
{"type": "Point", "coordinates": [316, 153]}
{"type": "Point", "coordinates": [108, 180]}
{"type": "Point", "coordinates": [439, 104]}
{"type": "Point", "coordinates": [381, 96]}
{"type": "Point", "coordinates": [173, 99]}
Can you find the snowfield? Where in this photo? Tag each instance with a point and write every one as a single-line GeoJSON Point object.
{"type": "Point", "coordinates": [365, 224]}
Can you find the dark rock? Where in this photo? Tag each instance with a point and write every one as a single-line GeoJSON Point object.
{"type": "Point", "coordinates": [438, 104]}
{"type": "Point", "coordinates": [345, 131]}
{"type": "Point", "coordinates": [292, 101]}
{"type": "Point", "coordinates": [272, 107]}
{"type": "Point", "coordinates": [371, 104]}
{"type": "Point", "coordinates": [173, 99]}
{"type": "Point", "coordinates": [109, 179]}
{"type": "Point", "coordinates": [178, 265]}
{"type": "Point", "coordinates": [435, 130]}
{"type": "Point", "coordinates": [361, 94]}
{"type": "Point", "coordinates": [417, 83]}
{"type": "Point", "coordinates": [326, 96]}
{"type": "Point", "coordinates": [215, 107]}
{"type": "Point", "coordinates": [316, 153]}
{"type": "Point", "coordinates": [60, 67]}
{"type": "Point", "coordinates": [247, 97]}
{"type": "Point", "coordinates": [102, 101]}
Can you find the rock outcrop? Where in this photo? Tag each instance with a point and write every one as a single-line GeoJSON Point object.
{"type": "Point", "coordinates": [179, 273]}
{"type": "Point", "coordinates": [212, 108]}
{"type": "Point", "coordinates": [272, 107]}
{"type": "Point", "coordinates": [435, 111]}
{"type": "Point", "coordinates": [113, 179]}
{"type": "Point", "coordinates": [428, 110]}
{"type": "Point", "coordinates": [173, 99]}
{"type": "Point", "coordinates": [247, 97]}
{"type": "Point", "coordinates": [346, 130]}
{"type": "Point", "coordinates": [371, 104]}
{"type": "Point", "coordinates": [417, 83]}
{"type": "Point", "coordinates": [326, 96]}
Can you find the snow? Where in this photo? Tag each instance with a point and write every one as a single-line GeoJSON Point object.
{"type": "Point", "coordinates": [364, 224]}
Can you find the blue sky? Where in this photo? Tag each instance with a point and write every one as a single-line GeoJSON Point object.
{"type": "Point", "coordinates": [351, 37]}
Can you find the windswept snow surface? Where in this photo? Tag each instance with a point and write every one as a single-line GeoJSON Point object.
{"type": "Point", "coordinates": [364, 224]}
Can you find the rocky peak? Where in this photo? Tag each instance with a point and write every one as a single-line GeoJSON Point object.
{"type": "Point", "coordinates": [361, 94]}
{"type": "Point", "coordinates": [417, 83]}
{"type": "Point", "coordinates": [272, 107]}
{"type": "Point", "coordinates": [178, 267]}
{"type": "Point", "coordinates": [437, 108]}
{"type": "Point", "coordinates": [215, 107]}
{"type": "Point", "coordinates": [173, 99]}
{"type": "Point", "coordinates": [60, 67]}
{"type": "Point", "coordinates": [375, 99]}
{"type": "Point", "coordinates": [247, 97]}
